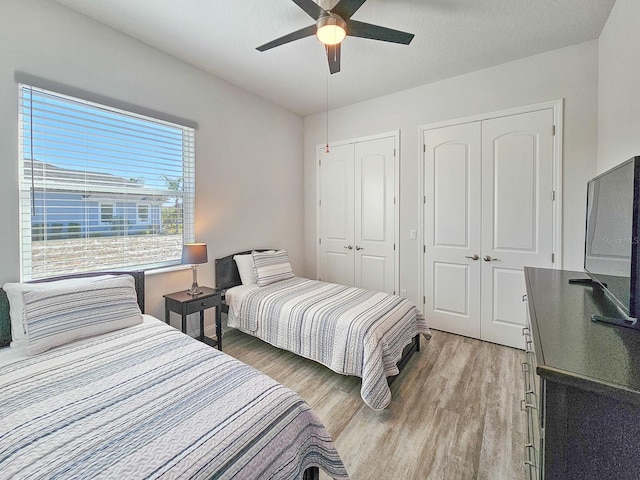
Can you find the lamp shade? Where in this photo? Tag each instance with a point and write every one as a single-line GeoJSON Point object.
{"type": "Point", "coordinates": [193, 253]}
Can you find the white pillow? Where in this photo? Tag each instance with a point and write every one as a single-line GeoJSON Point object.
{"type": "Point", "coordinates": [246, 268]}
{"type": "Point", "coordinates": [57, 316]}
{"type": "Point", "coordinates": [272, 267]}
{"type": "Point", "coordinates": [16, 301]}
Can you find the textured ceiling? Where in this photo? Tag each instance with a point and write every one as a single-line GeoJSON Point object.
{"type": "Point", "coordinates": [452, 37]}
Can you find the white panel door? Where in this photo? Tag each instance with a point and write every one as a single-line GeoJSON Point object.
{"type": "Point", "coordinates": [375, 214]}
{"type": "Point", "coordinates": [452, 178]}
{"type": "Point", "coordinates": [336, 259]}
{"type": "Point", "coordinates": [517, 217]}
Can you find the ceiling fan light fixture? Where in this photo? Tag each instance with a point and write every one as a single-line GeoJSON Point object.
{"type": "Point", "coordinates": [331, 29]}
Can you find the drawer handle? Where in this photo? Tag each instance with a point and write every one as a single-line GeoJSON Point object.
{"type": "Point", "coordinates": [530, 463]}
{"type": "Point", "coordinates": [527, 448]}
{"type": "Point", "coordinates": [534, 401]}
{"type": "Point", "coordinates": [524, 405]}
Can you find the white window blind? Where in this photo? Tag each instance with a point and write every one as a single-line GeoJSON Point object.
{"type": "Point", "coordinates": [101, 188]}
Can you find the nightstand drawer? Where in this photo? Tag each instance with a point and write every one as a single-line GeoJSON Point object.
{"type": "Point", "coordinates": [203, 303]}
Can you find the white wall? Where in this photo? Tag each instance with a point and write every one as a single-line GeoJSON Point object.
{"type": "Point", "coordinates": [569, 73]}
{"type": "Point", "coordinates": [619, 86]}
{"type": "Point", "coordinates": [249, 170]}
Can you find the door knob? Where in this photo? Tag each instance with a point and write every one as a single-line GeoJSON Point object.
{"type": "Point", "coordinates": [475, 256]}
{"type": "Point", "coordinates": [358, 247]}
{"type": "Point", "coordinates": [349, 247]}
{"type": "Point", "coordinates": [487, 258]}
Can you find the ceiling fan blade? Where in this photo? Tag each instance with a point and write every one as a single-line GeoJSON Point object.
{"type": "Point", "coordinates": [346, 8]}
{"type": "Point", "coordinates": [376, 32]}
{"type": "Point", "coordinates": [314, 10]}
{"type": "Point", "coordinates": [298, 34]}
{"type": "Point", "coordinates": [333, 55]}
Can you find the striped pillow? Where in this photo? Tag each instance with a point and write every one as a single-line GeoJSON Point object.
{"type": "Point", "coordinates": [57, 316]}
{"type": "Point", "coordinates": [271, 267]}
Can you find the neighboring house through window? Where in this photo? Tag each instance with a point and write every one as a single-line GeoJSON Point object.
{"type": "Point", "coordinates": [101, 188]}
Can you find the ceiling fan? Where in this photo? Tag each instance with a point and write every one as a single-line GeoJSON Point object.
{"type": "Point", "coordinates": [333, 25]}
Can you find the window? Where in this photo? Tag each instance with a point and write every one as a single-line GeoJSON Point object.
{"type": "Point", "coordinates": [106, 212]}
{"type": "Point", "coordinates": [101, 188]}
{"type": "Point", "coordinates": [143, 213]}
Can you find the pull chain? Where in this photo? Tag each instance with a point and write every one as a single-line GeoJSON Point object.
{"type": "Point", "coordinates": [326, 150]}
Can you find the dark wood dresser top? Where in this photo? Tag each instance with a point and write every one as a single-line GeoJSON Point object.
{"type": "Point", "coordinates": [571, 348]}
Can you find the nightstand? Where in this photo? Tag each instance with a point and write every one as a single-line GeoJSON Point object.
{"type": "Point", "coordinates": [184, 304]}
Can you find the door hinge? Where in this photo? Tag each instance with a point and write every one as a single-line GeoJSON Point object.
{"type": "Point", "coordinates": [424, 148]}
{"type": "Point", "coordinates": [424, 249]}
{"type": "Point", "coordinates": [553, 130]}
{"type": "Point", "coordinates": [553, 258]}
{"type": "Point", "coordinates": [319, 162]}
{"type": "Point", "coordinates": [319, 241]}
{"type": "Point", "coordinates": [553, 195]}
{"type": "Point", "coordinates": [394, 247]}
{"type": "Point", "coordinates": [394, 200]}
{"type": "Point", "coordinates": [394, 292]}
{"type": "Point", "coordinates": [394, 152]}
{"type": "Point", "coordinates": [424, 300]}
{"type": "Point", "coordinates": [424, 200]}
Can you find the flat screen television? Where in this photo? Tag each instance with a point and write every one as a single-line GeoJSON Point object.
{"type": "Point", "coordinates": [612, 256]}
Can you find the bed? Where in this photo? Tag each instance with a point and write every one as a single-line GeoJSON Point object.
{"type": "Point", "coordinates": [142, 400]}
{"type": "Point", "coordinates": [352, 331]}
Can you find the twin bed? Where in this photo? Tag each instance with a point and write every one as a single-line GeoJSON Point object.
{"type": "Point", "coordinates": [141, 400]}
{"type": "Point", "coordinates": [350, 330]}
{"type": "Point", "coordinates": [93, 388]}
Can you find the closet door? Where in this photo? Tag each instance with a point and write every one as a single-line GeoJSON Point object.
{"type": "Point", "coordinates": [336, 212]}
{"type": "Point", "coordinates": [452, 157]}
{"type": "Point", "coordinates": [488, 212]}
{"type": "Point", "coordinates": [374, 220]}
{"type": "Point", "coordinates": [517, 217]}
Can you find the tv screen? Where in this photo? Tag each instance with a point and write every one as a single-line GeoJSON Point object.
{"type": "Point", "coordinates": [611, 254]}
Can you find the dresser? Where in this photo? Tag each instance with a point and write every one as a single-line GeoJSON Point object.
{"type": "Point", "coordinates": [582, 383]}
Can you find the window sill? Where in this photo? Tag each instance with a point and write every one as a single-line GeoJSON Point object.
{"type": "Point", "coordinates": [172, 268]}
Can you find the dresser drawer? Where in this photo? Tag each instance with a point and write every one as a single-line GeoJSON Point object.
{"type": "Point", "coordinates": [530, 405]}
{"type": "Point", "coordinates": [203, 303]}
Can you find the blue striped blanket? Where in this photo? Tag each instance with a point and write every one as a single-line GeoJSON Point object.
{"type": "Point", "coordinates": [351, 330]}
{"type": "Point", "coordinates": [149, 402]}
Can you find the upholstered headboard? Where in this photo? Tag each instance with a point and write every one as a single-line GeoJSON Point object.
{"type": "Point", "coordinates": [5, 319]}
{"type": "Point", "coordinates": [227, 274]}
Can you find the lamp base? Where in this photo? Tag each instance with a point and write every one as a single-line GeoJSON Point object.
{"type": "Point", "coordinates": [195, 289]}
{"type": "Point", "coordinates": [194, 292]}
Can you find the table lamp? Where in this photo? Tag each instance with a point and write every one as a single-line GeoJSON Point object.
{"type": "Point", "coordinates": [194, 253]}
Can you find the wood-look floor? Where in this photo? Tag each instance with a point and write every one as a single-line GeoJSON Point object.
{"type": "Point", "coordinates": [455, 412]}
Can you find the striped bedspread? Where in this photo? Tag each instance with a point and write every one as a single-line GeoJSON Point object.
{"type": "Point", "coordinates": [350, 330]}
{"type": "Point", "coordinates": [149, 402]}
